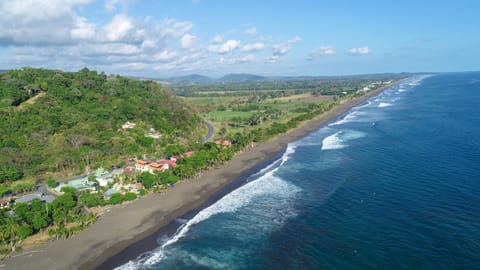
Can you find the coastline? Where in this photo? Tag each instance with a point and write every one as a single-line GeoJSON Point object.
{"type": "Point", "coordinates": [123, 226]}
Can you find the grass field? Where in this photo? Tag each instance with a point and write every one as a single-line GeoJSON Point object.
{"type": "Point", "coordinates": [233, 113]}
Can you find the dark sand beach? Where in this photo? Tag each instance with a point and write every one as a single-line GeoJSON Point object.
{"type": "Point", "coordinates": [141, 220]}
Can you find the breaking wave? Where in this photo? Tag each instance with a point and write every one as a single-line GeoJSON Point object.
{"type": "Point", "coordinates": [384, 104]}
{"type": "Point", "coordinates": [340, 138]}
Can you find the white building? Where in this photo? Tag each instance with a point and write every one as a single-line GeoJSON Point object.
{"type": "Point", "coordinates": [129, 125]}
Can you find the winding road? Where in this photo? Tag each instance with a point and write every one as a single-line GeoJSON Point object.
{"type": "Point", "coordinates": [210, 133]}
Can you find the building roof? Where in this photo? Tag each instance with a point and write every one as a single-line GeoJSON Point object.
{"type": "Point", "coordinates": [142, 162]}
{"type": "Point", "coordinates": [223, 142]}
{"type": "Point", "coordinates": [155, 165]}
{"type": "Point", "coordinates": [171, 163]}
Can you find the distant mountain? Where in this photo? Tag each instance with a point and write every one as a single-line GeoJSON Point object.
{"type": "Point", "coordinates": [241, 77]}
{"type": "Point", "coordinates": [192, 78]}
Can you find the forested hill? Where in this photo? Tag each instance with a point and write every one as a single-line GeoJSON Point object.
{"type": "Point", "coordinates": [54, 121]}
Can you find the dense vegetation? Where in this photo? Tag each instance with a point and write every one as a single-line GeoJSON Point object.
{"type": "Point", "coordinates": [54, 121]}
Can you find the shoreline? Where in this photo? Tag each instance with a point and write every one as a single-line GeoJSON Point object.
{"type": "Point", "coordinates": [136, 225]}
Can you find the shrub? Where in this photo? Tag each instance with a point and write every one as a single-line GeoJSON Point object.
{"type": "Point", "coordinates": [130, 196]}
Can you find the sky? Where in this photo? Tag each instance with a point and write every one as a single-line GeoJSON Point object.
{"type": "Point", "coordinates": [160, 39]}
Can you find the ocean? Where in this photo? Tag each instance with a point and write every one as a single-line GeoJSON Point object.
{"type": "Point", "coordinates": [392, 184]}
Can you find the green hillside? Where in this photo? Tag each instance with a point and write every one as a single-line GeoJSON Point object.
{"type": "Point", "coordinates": [54, 121]}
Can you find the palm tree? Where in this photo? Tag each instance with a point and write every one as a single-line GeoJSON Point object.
{"type": "Point", "coordinates": [91, 218]}
{"type": "Point", "coordinates": [12, 231]}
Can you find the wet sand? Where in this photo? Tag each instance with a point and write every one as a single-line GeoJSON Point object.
{"type": "Point", "coordinates": [126, 225]}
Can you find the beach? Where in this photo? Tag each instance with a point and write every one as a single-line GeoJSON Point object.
{"type": "Point", "coordinates": [125, 225]}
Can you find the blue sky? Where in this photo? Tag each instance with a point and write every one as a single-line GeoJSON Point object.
{"type": "Point", "coordinates": [168, 38]}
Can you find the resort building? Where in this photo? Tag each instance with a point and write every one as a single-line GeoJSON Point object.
{"type": "Point", "coordinates": [184, 155]}
{"type": "Point", "coordinates": [155, 166]}
{"type": "Point", "coordinates": [80, 184]}
{"type": "Point", "coordinates": [129, 125]}
{"type": "Point", "coordinates": [103, 177]}
{"type": "Point", "coordinates": [142, 165]}
{"type": "Point", "coordinates": [152, 133]}
{"type": "Point", "coordinates": [159, 167]}
{"type": "Point", "coordinates": [223, 143]}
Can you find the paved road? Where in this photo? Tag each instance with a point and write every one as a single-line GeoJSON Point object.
{"type": "Point", "coordinates": [210, 133]}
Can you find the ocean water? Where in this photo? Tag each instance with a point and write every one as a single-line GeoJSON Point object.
{"type": "Point", "coordinates": [393, 184]}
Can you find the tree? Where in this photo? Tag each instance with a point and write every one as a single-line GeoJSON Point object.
{"type": "Point", "coordinates": [39, 222]}
{"type": "Point", "coordinates": [65, 201]}
{"type": "Point", "coordinates": [24, 231]}
{"type": "Point", "coordinates": [51, 182]}
{"type": "Point", "coordinates": [90, 200]}
{"type": "Point", "coordinates": [3, 189]}
{"type": "Point", "coordinates": [22, 212]}
{"type": "Point", "coordinates": [147, 179]}
{"type": "Point", "coordinates": [11, 229]}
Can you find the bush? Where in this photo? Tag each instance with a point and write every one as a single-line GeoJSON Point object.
{"type": "Point", "coordinates": [51, 183]}
{"type": "Point", "coordinates": [130, 196]}
{"type": "Point", "coordinates": [116, 198]}
{"type": "Point", "coordinates": [68, 190]}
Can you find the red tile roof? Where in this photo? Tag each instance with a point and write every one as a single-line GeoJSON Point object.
{"type": "Point", "coordinates": [142, 162]}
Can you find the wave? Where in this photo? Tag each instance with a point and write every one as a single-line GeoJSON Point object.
{"type": "Point", "coordinates": [347, 118]}
{"type": "Point", "coordinates": [402, 90]}
{"type": "Point", "coordinates": [339, 139]}
{"type": "Point", "coordinates": [288, 153]}
{"type": "Point", "coordinates": [332, 142]}
{"type": "Point", "coordinates": [384, 104]}
{"type": "Point", "coordinates": [269, 184]}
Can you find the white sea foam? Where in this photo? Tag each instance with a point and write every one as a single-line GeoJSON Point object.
{"type": "Point", "coordinates": [339, 140]}
{"type": "Point", "coordinates": [268, 184]}
{"type": "Point", "coordinates": [384, 104]}
{"type": "Point", "coordinates": [402, 90]}
{"type": "Point", "coordinates": [347, 118]}
{"type": "Point", "coordinates": [332, 142]}
{"type": "Point", "coordinates": [288, 152]}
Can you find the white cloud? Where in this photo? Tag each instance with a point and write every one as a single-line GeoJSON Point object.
{"type": "Point", "coordinates": [252, 47]}
{"type": "Point", "coordinates": [358, 51]}
{"type": "Point", "coordinates": [285, 47]}
{"type": "Point", "coordinates": [272, 59]}
{"type": "Point", "coordinates": [217, 39]}
{"type": "Point", "coordinates": [187, 41]}
{"type": "Point", "coordinates": [165, 56]}
{"type": "Point", "coordinates": [26, 22]}
{"type": "Point", "coordinates": [83, 29]}
{"type": "Point", "coordinates": [223, 48]}
{"type": "Point", "coordinates": [251, 31]}
{"type": "Point", "coordinates": [282, 49]}
{"type": "Point", "coordinates": [111, 5]}
{"type": "Point", "coordinates": [60, 34]}
{"type": "Point", "coordinates": [173, 28]}
{"type": "Point", "coordinates": [324, 50]}
{"type": "Point", "coordinates": [119, 27]}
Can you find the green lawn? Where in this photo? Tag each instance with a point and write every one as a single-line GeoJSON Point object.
{"type": "Point", "coordinates": [228, 119]}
